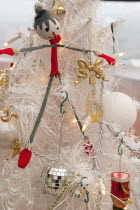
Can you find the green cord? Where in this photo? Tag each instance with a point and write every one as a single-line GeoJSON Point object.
{"type": "Point", "coordinates": [113, 37]}
{"type": "Point", "coordinates": [42, 109]}
{"type": "Point", "coordinates": [112, 30]}
{"type": "Point", "coordinates": [57, 45]}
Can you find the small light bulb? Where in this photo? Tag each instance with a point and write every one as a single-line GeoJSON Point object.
{"type": "Point", "coordinates": [97, 184]}
{"type": "Point", "coordinates": [12, 40]}
{"type": "Point", "coordinates": [5, 44]}
{"type": "Point", "coordinates": [102, 186]}
{"type": "Point", "coordinates": [73, 121]}
{"type": "Point", "coordinates": [61, 43]}
{"type": "Point", "coordinates": [42, 78]}
{"type": "Point", "coordinates": [122, 54]}
{"type": "Point", "coordinates": [103, 191]}
{"type": "Point", "coordinates": [84, 126]}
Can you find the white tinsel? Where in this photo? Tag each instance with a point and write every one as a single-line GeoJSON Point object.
{"type": "Point", "coordinates": [28, 83]}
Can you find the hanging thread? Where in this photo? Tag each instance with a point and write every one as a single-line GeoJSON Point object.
{"type": "Point", "coordinates": [62, 114]}
{"type": "Point", "coordinates": [98, 164]}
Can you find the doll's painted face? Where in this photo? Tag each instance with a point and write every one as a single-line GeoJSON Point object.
{"type": "Point", "coordinates": [46, 25]}
{"type": "Point", "coordinates": [48, 32]}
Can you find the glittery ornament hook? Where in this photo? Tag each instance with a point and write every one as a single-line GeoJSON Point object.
{"type": "Point", "coordinates": [87, 192]}
{"type": "Point", "coordinates": [87, 199]}
{"type": "Point", "coordinates": [62, 104]}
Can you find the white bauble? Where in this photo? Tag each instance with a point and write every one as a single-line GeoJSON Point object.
{"type": "Point", "coordinates": [119, 109]}
{"type": "Point", "coordinates": [8, 133]}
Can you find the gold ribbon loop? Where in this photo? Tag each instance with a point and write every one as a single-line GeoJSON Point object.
{"type": "Point", "coordinates": [83, 64]}
{"type": "Point", "coordinates": [95, 70]}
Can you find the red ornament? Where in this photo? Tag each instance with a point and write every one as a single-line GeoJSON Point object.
{"type": "Point", "coordinates": [120, 187]}
{"type": "Point", "coordinates": [8, 51]}
{"type": "Point", "coordinates": [54, 60]}
{"type": "Point", "coordinates": [24, 158]}
{"type": "Point", "coordinates": [109, 59]}
{"type": "Point", "coordinates": [88, 147]}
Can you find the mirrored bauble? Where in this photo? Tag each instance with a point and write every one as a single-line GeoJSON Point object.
{"type": "Point", "coordinates": [55, 178]}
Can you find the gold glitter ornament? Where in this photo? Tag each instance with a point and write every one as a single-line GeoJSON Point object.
{"type": "Point", "coordinates": [55, 178]}
{"type": "Point", "coordinates": [58, 8]}
{"type": "Point", "coordinates": [94, 106]}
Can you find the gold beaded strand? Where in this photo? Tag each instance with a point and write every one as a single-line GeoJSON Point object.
{"type": "Point", "coordinates": [57, 199]}
{"type": "Point", "coordinates": [4, 85]}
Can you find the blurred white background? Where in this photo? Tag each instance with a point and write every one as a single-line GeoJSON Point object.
{"type": "Point", "coordinates": [17, 15]}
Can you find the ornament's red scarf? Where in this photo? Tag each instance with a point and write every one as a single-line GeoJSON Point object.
{"type": "Point", "coordinates": [54, 56]}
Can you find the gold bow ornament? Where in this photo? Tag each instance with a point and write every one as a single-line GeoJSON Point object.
{"type": "Point", "coordinates": [95, 70]}
{"type": "Point", "coordinates": [94, 106]}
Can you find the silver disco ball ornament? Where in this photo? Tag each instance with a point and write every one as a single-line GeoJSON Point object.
{"type": "Point", "coordinates": [55, 178]}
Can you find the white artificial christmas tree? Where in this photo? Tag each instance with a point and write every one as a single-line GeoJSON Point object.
{"type": "Point", "coordinates": [73, 149]}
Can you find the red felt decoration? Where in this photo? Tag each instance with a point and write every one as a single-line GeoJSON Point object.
{"type": "Point", "coordinates": [24, 158]}
{"type": "Point", "coordinates": [8, 51]}
{"type": "Point", "coordinates": [109, 59]}
{"type": "Point", "coordinates": [54, 60]}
